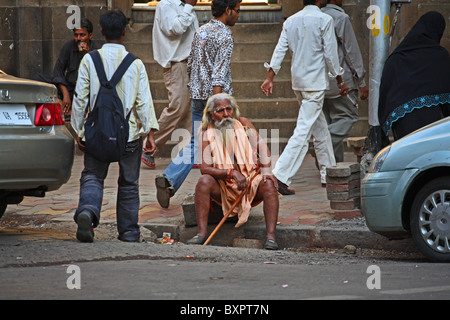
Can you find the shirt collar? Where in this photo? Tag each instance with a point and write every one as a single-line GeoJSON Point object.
{"type": "Point", "coordinates": [220, 23]}
{"type": "Point", "coordinates": [114, 45]}
{"type": "Point", "coordinates": [311, 7]}
{"type": "Point", "coordinates": [176, 2]}
{"type": "Point", "coordinates": [333, 6]}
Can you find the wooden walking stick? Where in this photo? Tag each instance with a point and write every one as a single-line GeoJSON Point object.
{"type": "Point", "coordinates": [225, 217]}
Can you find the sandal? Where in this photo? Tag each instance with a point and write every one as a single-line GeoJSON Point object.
{"type": "Point", "coordinates": [148, 160]}
{"type": "Point", "coordinates": [270, 244]}
{"type": "Point", "coordinates": [197, 240]}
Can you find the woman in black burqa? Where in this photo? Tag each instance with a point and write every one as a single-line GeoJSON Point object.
{"type": "Point", "coordinates": [415, 85]}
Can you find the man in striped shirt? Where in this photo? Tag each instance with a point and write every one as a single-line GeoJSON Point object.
{"type": "Point", "coordinates": [134, 92]}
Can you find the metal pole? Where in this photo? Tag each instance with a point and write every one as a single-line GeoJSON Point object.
{"type": "Point", "coordinates": [379, 49]}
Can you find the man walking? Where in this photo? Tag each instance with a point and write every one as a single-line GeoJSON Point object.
{"type": "Point", "coordinates": [310, 35]}
{"type": "Point", "coordinates": [342, 112]}
{"type": "Point", "coordinates": [134, 92]}
{"type": "Point", "coordinates": [209, 73]}
{"type": "Point", "coordinates": [173, 31]}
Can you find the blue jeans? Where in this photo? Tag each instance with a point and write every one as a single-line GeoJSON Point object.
{"type": "Point", "coordinates": [91, 190]}
{"type": "Point", "coordinates": [179, 168]}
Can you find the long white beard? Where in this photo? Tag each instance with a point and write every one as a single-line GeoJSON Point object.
{"type": "Point", "coordinates": [226, 127]}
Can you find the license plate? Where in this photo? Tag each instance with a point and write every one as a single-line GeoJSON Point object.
{"type": "Point", "coordinates": [14, 114]}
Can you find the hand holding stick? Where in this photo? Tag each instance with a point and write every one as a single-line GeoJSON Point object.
{"type": "Point", "coordinates": [225, 217]}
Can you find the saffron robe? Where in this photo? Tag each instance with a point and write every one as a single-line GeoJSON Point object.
{"type": "Point", "coordinates": [238, 156]}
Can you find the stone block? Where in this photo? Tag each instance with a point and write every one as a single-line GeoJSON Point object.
{"type": "Point", "coordinates": [343, 169]}
{"type": "Point", "coordinates": [350, 185]}
{"type": "Point", "coordinates": [346, 195]}
{"type": "Point", "coordinates": [349, 204]}
{"type": "Point", "coordinates": [347, 214]}
{"type": "Point", "coordinates": [355, 142]}
{"type": "Point", "coordinates": [247, 243]}
{"type": "Point", "coordinates": [343, 180]}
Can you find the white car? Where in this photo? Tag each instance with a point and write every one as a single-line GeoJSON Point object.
{"type": "Point", "coordinates": [407, 190]}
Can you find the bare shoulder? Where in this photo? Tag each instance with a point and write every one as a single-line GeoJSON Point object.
{"type": "Point", "coordinates": [246, 123]}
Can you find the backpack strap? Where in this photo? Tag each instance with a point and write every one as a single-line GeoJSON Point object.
{"type": "Point", "coordinates": [98, 63]}
{"type": "Point", "coordinates": [123, 67]}
{"type": "Point", "coordinates": [118, 74]}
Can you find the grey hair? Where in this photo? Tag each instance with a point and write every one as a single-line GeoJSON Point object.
{"type": "Point", "coordinates": [206, 120]}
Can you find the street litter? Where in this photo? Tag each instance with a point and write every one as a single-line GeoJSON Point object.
{"type": "Point", "coordinates": [166, 239]}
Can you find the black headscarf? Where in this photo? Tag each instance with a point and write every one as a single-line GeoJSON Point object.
{"type": "Point", "coordinates": [416, 74]}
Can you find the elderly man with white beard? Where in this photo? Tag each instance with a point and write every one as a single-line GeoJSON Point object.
{"type": "Point", "coordinates": [229, 161]}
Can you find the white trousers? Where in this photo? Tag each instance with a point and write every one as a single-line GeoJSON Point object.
{"type": "Point", "coordinates": [310, 121]}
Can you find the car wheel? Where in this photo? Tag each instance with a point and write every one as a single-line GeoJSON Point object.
{"type": "Point", "coordinates": [2, 208]}
{"type": "Point", "coordinates": [430, 219]}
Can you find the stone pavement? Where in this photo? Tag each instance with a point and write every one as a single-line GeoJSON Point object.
{"type": "Point", "coordinates": [305, 219]}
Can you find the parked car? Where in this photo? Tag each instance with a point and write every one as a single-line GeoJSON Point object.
{"type": "Point", "coordinates": [407, 190]}
{"type": "Point", "coordinates": [36, 149]}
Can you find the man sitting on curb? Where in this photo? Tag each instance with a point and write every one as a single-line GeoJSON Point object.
{"type": "Point", "coordinates": [228, 164]}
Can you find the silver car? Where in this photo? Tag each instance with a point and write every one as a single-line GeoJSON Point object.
{"type": "Point", "coordinates": [407, 191]}
{"type": "Point", "coordinates": [36, 149]}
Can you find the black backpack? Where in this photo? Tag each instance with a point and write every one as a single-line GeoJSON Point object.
{"type": "Point", "coordinates": [106, 128]}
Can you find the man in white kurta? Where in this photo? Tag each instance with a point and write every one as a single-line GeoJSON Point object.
{"type": "Point", "coordinates": [309, 34]}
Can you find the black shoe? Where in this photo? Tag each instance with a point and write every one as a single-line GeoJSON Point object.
{"type": "Point", "coordinates": [163, 191]}
{"type": "Point", "coordinates": [129, 236]}
{"type": "Point", "coordinates": [85, 231]}
{"type": "Point", "coordinates": [270, 244]}
{"type": "Point", "coordinates": [284, 190]}
{"type": "Point", "coordinates": [197, 240]}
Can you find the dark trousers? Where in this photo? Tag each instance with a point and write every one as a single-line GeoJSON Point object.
{"type": "Point", "coordinates": [91, 191]}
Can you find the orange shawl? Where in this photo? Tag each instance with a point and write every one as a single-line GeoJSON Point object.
{"type": "Point", "coordinates": [238, 157]}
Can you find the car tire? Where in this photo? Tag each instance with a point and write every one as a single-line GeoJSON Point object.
{"type": "Point", "coordinates": [430, 219]}
{"type": "Point", "coordinates": [3, 206]}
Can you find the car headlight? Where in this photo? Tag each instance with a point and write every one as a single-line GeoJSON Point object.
{"type": "Point", "coordinates": [378, 161]}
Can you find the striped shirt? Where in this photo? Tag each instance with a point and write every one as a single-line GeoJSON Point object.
{"type": "Point", "coordinates": [133, 90]}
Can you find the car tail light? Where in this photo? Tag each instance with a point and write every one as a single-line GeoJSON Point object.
{"type": "Point", "coordinates": [49, 114]}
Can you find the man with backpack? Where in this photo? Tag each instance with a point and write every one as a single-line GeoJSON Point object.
{"type": "Point", "coordinates": [113, 89]}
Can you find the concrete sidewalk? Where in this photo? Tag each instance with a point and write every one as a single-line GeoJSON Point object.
{"type": "Point", "coordinates": [305, 219]}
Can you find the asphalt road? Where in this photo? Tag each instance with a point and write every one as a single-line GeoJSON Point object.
{"type": "Point", "coordinates": [173, 279]}
{"type": "Point", "coordinates": [36, 266]}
